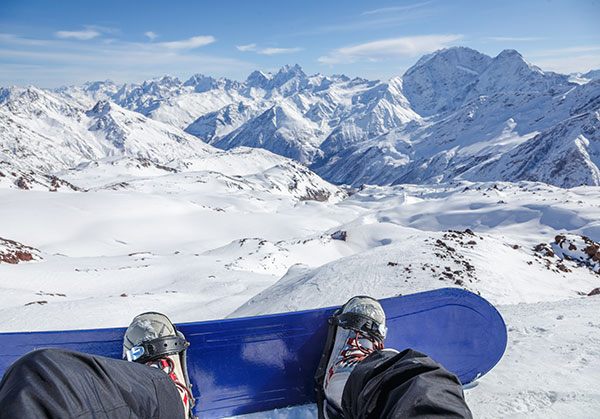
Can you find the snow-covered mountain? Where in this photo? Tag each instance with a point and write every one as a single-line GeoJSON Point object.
{"type": "Point", "coordinates": [50, 143]}
{"type": "Point", "coordinates": [40, 130]}
{"type": "Point", "coordinates": [450, 116]}
{"type": "Point", "coordinates": [492, 112]}
{"type": "Point", "coordinates": [456, 114]}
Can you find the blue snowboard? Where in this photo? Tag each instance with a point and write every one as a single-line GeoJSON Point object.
{"type": "Point", "coordinates": [260, 363]}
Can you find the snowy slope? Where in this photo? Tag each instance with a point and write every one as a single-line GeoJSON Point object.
{"type": "Point", "coordinates": [204, 244]}
{"type": "Point", "coordinates": [42, 131]}
{"type": "Point", "coordinates": [157, 231]}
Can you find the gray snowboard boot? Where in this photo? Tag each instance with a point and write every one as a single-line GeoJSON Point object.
{"type": "Point", "coordinates": [355, 331]}
{"type": "Point", "coordinates": [153, 340]}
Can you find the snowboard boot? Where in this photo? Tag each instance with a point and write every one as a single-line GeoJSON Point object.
{"type": "Point", "coordinates": [153, 340]}
{"type": "Point", "coordinates": [356, 330]}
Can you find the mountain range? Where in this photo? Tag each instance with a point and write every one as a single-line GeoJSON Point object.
{"type": "Point", "coordinates": [457, 114]}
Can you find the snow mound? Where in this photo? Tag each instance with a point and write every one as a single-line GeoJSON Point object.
{"type": "Point", "coordinates": [409, 261]}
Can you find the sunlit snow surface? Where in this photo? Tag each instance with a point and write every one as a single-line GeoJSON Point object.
{"type": "Point", "coordinates": [230, 237]}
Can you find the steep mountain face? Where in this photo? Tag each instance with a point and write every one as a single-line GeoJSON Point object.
{"type": "Point", "coordinates": [42, 131]}
{"type": "Point", "coordinates": [221, 122]}
{"type": "Point", "coordinates": [440, 81]}
{"type": "Point", "coordinates": [451, 114]}
{"type": "Point", "coordinates": [374, 111]}
{"type": "Point", "coordinates": [280, 129]}
{"type": "Point", "coordinates": [503, 106]}
{"type": "Point", "coordinates": [567, 155]}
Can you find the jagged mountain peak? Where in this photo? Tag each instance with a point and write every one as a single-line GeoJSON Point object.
{"type": "Point", "coordinates": [166, 80]}
{"type": "Point", "coordinates": [453, 110]}
{"type": "Point", "coordinates": [288, 73]}
{"type": "Point", "coordinates": [455, 55]}
{"type": "Point", "coordinates": [295, 69]}
{"type": "Point", "coordinates": [202, 83]}
{"type": "Point", "coordinates": [509, 73]}
{"type": "Point", "coordinates": [197, 78]}
{"type": "Point", "coordinates": [97, 85]}
{"type": "Point", "coordinates": [513, 59]}
{"type": "Point", "coordinates": [102, 107]}
{"type": "Point", "coordinates": [258, 79]}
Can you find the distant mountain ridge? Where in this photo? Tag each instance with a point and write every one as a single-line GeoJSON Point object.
{"type": "Point", "coordinates": [455, 114]}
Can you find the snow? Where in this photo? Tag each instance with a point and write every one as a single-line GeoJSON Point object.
{"type": "Point", "coordinates": [453, 166]}
{"type": "Point", "coordinates": [202, 245]}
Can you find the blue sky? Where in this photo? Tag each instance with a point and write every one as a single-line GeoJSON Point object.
{"type": "Point", "coordinates": [53, 43]}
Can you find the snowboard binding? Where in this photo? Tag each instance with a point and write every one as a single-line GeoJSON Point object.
{"type": "Point", "coordinates": [356, 330]}
{"type": "Point", "coordinates": [153, 340]}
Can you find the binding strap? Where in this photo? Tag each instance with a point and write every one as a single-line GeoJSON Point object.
{"type": "Point", "coordinates": [156, 348]}
{"type": "Point", "coordinates": [361, 323]}
{"type": "Point", "coordinates": [352, 321]}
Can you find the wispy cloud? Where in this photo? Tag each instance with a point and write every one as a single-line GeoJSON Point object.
{"type": "Point", "coordinates": [80, 35]}
{"type": "Point", "coordinates": [65, 61]}
{"type": "Point", "coordinates": [389, 49]}
{"type": "Point", "coordinates": [272, 51]}
{"type": "Point", "coordinates": [267, 51]}
{"type": "Point", "coordinates": [516, 39]}
{"type": "Point", "coordinates": [191, 43]}
{"type": "Point", "coordinates": [151, 35]}
{"type": "Point", "coordinates": [396, 8]}
{"type": "Point", "coordinates": [249, 47]}
{"type": "Point", "coordinates": [383, 17]}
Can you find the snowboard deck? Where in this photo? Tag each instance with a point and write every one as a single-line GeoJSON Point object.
{"type": "Point", "coordinates": [261, 363]}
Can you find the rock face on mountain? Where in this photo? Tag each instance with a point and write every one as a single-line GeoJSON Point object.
{"type": "Point", "coordinates": [455, 114]}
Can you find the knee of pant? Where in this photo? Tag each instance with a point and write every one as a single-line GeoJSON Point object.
{"type": "Point", "coordinates": [39, 356]}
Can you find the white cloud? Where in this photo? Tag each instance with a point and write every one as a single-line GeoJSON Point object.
{"type": "Point", "coordinates": [389, 49]}
{"type": "Point", "coordinates": [395, 9]}
{"type": "Point", "coordinates": [191, 43]}
{"type": "Point", "coordinates": [249, 47]}
{"type": "Point", "coordinates": [272, 51]}
{"type": "Point", "coordinates": [66, 61]}
{"type": "Point", "coordinates": [151, 35]}
{"type": "Point", "coordinates": [81, 35]}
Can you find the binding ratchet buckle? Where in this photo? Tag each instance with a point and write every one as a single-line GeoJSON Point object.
{"type": "Point", "coordinates": [156, 348]}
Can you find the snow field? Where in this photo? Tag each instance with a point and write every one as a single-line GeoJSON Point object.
{"type": "Point", "coordinates": [203, 245]}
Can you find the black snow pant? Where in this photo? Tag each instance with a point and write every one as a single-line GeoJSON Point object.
{"type": "Point", "coordinates": [55, 383]}
{"type": "Point", "coordinates": [61, 384]}
{"type": "Point", "coordinates": [403, 385]}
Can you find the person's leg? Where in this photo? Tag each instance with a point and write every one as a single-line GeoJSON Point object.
{"type": "Point", "coordinates": [407, 384]}
{"type": "Point", "coordinates": [56, 383]}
